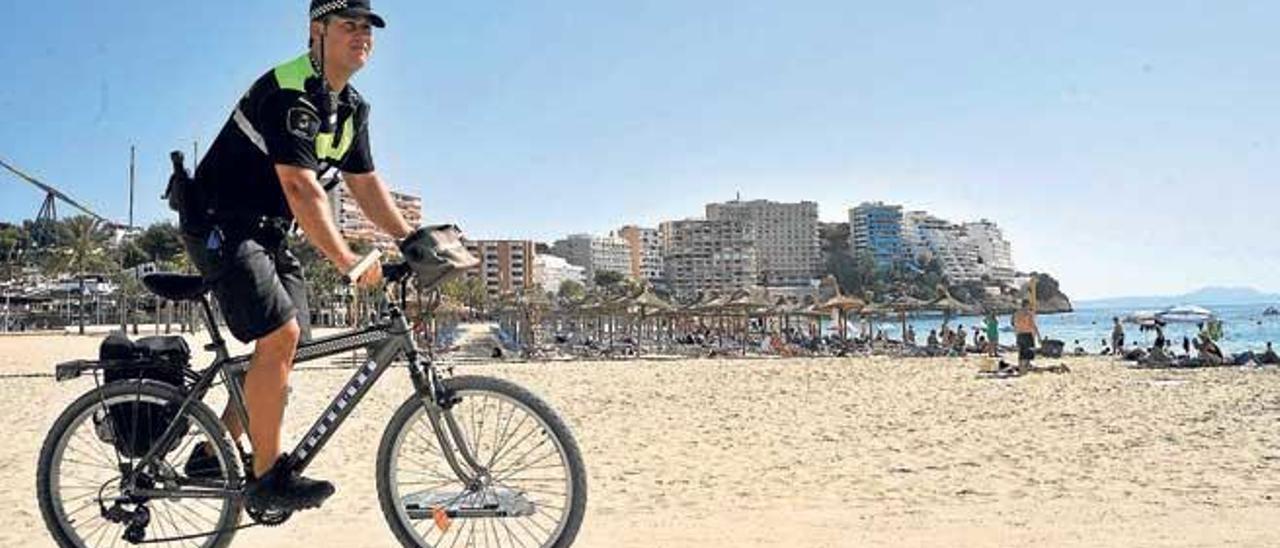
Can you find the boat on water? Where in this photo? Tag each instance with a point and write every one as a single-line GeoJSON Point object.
{"type": "Point", "coordinates": [1142, 317]}
{"type": "Point", "coordinates": [1271, 311]}
{"type": "Point", "coordinates": [1185, 314]}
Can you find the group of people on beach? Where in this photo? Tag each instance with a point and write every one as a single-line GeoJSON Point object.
{"type": "Point", "coordinates": [1202, 349]}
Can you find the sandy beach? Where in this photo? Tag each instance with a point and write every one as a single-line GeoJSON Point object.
{"type": "Point", "coordinates": [807, 453]}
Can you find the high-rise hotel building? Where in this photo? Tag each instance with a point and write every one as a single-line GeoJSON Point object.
{"type": "Point", "coordinates": [785, 236]}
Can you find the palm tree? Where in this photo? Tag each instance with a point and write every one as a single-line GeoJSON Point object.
{"type": "Point", "coordinates": [81, 248]}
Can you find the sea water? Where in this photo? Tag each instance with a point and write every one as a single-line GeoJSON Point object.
{"type": "Point", "coordinates": [1244, 327]}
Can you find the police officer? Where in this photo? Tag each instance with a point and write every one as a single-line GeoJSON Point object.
{"type": "Point", "coordinates": [296, 123]}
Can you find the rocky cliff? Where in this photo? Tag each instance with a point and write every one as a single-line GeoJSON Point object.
{"type": "Point", "coordinates": [1049, 295]}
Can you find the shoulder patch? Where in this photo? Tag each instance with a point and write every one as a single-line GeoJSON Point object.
{"type": "Point", "coordinates": [303, 123]}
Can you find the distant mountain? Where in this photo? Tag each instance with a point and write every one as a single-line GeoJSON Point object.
{"type": "Point", "coordinates": [1207, 296]}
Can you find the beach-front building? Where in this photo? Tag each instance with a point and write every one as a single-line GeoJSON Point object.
{"type": "Point", "coordinates": [927, 237]}
{"type": "Point", "coordinates": [595, 253]}
{"type": "Point", "coordinates": [785, 236]}
{"type": "Point", "coordinates": [506, 266]}
{"type": "Point", "coordinates": [353, 225]}
{"type": "Point", "coordinates": [994, 252]}
{"type": "Point", "coordinates": [876, 229]}
{"type": "Point", "coordinates": [644, 247]}
{"type": "Point", "coordinates": [705, 255]}
{"type": "Point", "coordinates": [549, 271]}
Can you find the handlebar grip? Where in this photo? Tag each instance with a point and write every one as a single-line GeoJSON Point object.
{"type": "Point", "coordinates": [361, 266]}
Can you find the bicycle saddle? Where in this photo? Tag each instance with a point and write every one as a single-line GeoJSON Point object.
{"type": "Point", "coordinates": [175, 287]}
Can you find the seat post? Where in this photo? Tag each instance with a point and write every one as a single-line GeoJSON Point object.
{"type": "Point", "coordinates": [212, 323]}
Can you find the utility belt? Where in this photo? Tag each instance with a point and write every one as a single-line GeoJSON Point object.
{"type": "Point", "coordinates": [200, 216]}
{"type": "Point", "coordinates": [271, 232]}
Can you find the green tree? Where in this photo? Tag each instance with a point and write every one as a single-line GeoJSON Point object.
{"type": "Point", "coordinates": [162, 243]}
{"type": "Point", "coordinates": [607, 279]}
{"type": "Point", "coordinates": [571, 291]}
{"type": "Point", "coordinates": [15, 245]}
{"type": "Point", "coordinates": [467, 290]}
{"type": "Point", "coordinates": [131, 254]}
{"type": "Point", "coordinates": [82, 249]}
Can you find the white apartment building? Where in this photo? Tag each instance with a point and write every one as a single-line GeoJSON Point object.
{"type": "Point", "coordinates": [928, 237]}
{"type": "Point", "coordinates": [595, 253]}
{"type": "Point", "coordinates": [609, 253]}
{"type": "Point", "coordinates": [785, 237]}
{"type": "Point", "coordinates": [994, 252]}
{"type": "Point", "coordinates": [550, 271]}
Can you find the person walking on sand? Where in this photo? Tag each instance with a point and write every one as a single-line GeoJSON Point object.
{"type": "Point", "coordinates": [1024, 325]}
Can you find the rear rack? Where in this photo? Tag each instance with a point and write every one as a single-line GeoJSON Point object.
{"type": "Point", "coordinates": [66, 371]}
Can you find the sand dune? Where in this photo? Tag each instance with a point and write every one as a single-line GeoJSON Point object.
{"type": "Point", "coordinates": [809, 453]}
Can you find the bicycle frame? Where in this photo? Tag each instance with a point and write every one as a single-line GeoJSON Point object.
{"type": "Point", "coordinates": [387, 340]}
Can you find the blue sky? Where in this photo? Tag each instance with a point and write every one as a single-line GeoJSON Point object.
{"type": "Point", "coordinates": [1128, 149]}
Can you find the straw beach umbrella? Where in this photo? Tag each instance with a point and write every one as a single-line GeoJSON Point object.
{"type": "Point", "coordinates": [842, 304]}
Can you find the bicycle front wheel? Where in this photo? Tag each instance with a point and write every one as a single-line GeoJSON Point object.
{"type": "Point", "coordinates": [531, 486]}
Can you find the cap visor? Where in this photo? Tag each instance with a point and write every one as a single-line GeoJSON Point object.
{"type": "Point", "coordinates": [374, 19]}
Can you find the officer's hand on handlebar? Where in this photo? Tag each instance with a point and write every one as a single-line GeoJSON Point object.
{"type": "Point", "coordinates": [366, 270]}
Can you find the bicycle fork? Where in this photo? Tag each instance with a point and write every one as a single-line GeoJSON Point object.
{"type": "Point", "coordinates": [438, 403]}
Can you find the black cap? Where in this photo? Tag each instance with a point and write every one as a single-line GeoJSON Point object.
{"type": "Point", "coordinates": [349, 8]}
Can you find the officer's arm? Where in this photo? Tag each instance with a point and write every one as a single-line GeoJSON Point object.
{"type": "Point", "coordinates": [375, 201]}
{"type": "Point", "coordinates": [310, 206]}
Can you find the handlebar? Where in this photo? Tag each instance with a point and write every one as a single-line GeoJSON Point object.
{"type": "Point", "coordinates": [361, 266]}
{"type": "Point", "coordinates": [391, 272]}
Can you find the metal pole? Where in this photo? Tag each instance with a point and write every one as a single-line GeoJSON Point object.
{"type": "Point", "coordinates": [132, 157]}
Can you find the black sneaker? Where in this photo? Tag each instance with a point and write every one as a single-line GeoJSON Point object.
{"type": "Point", "coordinates": [203, 464]}
{"type": "Point", "coordinates": [284, 490]}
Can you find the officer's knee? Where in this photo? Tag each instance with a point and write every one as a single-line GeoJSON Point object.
{"type": "Point", "coordinates": [285, 336]}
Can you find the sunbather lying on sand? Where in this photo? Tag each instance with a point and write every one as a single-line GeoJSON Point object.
{"type": "Point", "coordinates": [1269, 357]}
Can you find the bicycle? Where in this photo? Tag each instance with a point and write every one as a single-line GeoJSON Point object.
{"type": "Point", "coordinates": [464, 458]}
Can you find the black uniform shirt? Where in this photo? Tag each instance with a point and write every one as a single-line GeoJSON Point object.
{"type": "Point", "coordinates": [276, 122]}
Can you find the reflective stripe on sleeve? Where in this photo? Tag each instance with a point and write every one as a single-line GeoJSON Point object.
{"type": "Point", "coordinates": [247, 129]}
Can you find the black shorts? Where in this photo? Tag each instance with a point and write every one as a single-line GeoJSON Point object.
{"type": "Point", "coordinates": [258, 282]}
{"type": "Point", "coordinates": [1026, 346]}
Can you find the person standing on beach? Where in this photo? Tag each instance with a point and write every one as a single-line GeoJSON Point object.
{"type": "Point", "coordinates": [1024, 326]}
{"type": "Point", "coordinates": [1117, 337]}
{"type": "Point", "coordinates": [993, 333]}
{"type": "Point", "coordinates": [262, 175]}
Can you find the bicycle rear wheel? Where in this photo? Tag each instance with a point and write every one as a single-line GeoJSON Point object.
{"type": "Point", "coordinates": [80, 472]}
{"type": "Point", "coordinates": [531, 491]}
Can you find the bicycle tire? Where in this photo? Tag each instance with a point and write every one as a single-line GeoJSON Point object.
{"type": "Point", "coordinates": [464, 387]}
{"type": "Point", "coordinates": [81, 411]}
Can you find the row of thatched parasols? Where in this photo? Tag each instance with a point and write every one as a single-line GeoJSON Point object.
{"type": "Point", "coordinates": [741, 304]}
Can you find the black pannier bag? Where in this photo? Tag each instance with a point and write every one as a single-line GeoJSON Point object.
{"type": "Point", "coordinates": [134, 427]}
